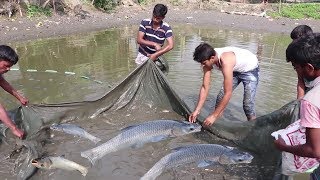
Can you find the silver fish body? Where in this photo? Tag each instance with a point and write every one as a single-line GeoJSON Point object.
{"type": "Point", "coordinates": [75, 130]}
{"type": "Point", "coordinates": [59, 163]}
{"type": "Point", "coordinates": [137, 135]}
{"type": "Point", "coordinates": [206, 154]}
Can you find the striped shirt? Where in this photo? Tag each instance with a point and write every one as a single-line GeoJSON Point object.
{"type": "Point", "coordinates": [155, 35]}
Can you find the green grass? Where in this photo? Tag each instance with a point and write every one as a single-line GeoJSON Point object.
{"type": "Point", "coordinates": [142, 2]}
{"type": "Point", "coordinates": [33, 10]}
{"type": "Point", "coordinates": [298, 11]}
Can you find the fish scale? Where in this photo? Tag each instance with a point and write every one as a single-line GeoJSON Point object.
{"type": "Point", "coordinates": [194, 153]}
{"type": "Point", "coordinates": [140, 134]}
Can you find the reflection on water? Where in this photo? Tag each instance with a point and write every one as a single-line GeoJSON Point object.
{"type": "Point", "coordinates": [109, 56]}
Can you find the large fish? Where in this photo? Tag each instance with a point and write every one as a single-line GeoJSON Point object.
{"type": "Point", "coordinates": [203, 154]}
{"type": "Point", "coordinates": [60, 163]}
{"type": "Point", "coordinates": [137, 135]}
{"type": "Point", "coordinates": [75, 130]}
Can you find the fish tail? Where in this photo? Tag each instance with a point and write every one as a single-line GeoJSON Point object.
{"type": "Point", "coordinates": [83, 171]}
{"type": "Point", "coordinates": [153, 173]}
{"type": "Point", "coordinates": [90, 156]}
{"type": "Point", "coordinates": [93, 138]}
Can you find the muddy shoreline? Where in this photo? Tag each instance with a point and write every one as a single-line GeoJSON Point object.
{"type": "Point", "coordinates": [24, 29]}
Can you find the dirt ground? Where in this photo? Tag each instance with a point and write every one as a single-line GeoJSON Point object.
{"type": "Point", "coordinates": [218, 13]}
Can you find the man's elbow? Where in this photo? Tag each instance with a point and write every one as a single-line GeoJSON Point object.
{"type": "Point", "coordinates": [228, 93]}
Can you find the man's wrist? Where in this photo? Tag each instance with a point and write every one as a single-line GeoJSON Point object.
{"type": "Point", "coordinates": [154, 44]}
{"type": "Point", "coordinates": [17, 95]}
{"type": "Point", "coordinates": [197, 111]}
{"type": "Point", "coordinates": [214, 114]}
{"type": "Point", "coordinates": [12, 127]}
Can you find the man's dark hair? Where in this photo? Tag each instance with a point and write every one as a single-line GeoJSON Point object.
{"type": "Point", "coordinates": [160, 10]}
{"type": "Point", "coordinates": [203, 52]}
{"type": "Point", "coordinates": [305, 50]}
{"type": "Point", "coordinates": [8, 54]}
{"type": "Point", "coordinates": [299, 31]}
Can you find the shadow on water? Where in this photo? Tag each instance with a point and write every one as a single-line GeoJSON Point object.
{"type": "Point", "coordinates": [98, 61]}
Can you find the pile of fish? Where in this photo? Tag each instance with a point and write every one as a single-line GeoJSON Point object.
{"type": "Point", "coordinates": [136, 136]}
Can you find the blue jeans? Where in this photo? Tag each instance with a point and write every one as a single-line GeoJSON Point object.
{"type": "Point", "coordinates": [250, 81]}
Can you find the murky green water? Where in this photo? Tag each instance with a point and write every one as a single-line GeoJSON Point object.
{"type": "Point", "coordinates": [99, 60]}
{"type": "Point", "coordinates": [109, 56]}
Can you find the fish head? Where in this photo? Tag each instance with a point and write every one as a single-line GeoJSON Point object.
{"type": "Point", "coordinates": [54, 126]}
{"type": "Point", "coordinates": [185, 127]}
{"type": "Point", "coordinates": [44, 163]}
{"type": "Point", "coordinates": [235, 156]}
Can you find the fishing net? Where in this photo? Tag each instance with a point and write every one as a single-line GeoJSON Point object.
{"type": "Point", "coordinates": [143, 95]}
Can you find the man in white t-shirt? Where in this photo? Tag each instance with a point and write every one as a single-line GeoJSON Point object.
{"type": "Point", "coordinates": [237, 66]}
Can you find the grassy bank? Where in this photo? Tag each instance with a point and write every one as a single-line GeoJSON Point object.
{"type": "Point", "coordinates": [298, 11]}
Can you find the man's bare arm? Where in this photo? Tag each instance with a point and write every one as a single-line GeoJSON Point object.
{"type": "Point", "coordinates": [7, 87]}
{"type": "Point", "coordinates": [310, 149]}
{"type": "Point", "coordinates": [168, 47]}
{"type": "Point", "coordinates": [204, 91]}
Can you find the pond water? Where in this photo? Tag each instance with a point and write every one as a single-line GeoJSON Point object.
{"type": "Point", "coordinates": [85, 67]}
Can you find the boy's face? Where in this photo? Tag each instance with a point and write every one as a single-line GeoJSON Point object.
{"type": "Point", "coordinates": [297, 67]}
{"type": "Point", "coordinates": [157, 19]}
{"type": "Point", "coordinates": [209, 62]}
{"type": "Point", "coordinates": [305, 70]}
{"type": "Point", "coordinates": [5, 66]}
{"type": "Point", "coordinates": [206, 63]}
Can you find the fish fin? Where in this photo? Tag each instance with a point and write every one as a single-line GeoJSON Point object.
{"type": "Point", "coordinates": [182, 147]}
{"type": "Point", "coordinates": [229, 147]}
{"type": "Point", "coordinates": [153, 139]}
{"type": "Point", "coordinates": [158, 138]}
{"type": "Point", "coordinates": [137, 145]}
{"type": "Point", "coordinates": [128, 127]}
{"type": "Point", "coordinates": [205, 163]}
